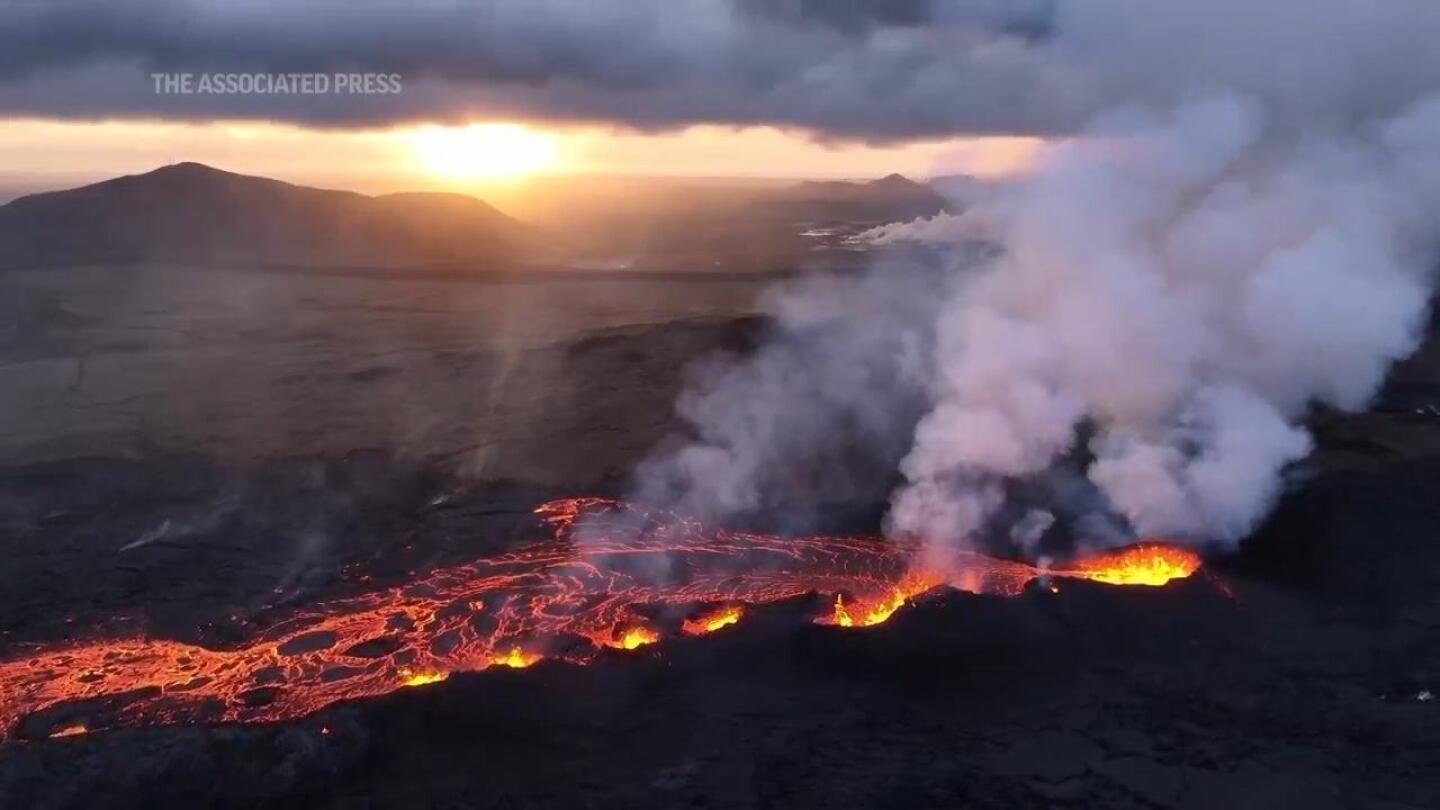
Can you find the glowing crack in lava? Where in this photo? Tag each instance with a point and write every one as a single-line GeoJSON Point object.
{"type": "Point", "coordinates": [613, 575]}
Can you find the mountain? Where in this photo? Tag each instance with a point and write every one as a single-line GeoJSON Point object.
{"type": "Point", "coordinates": [893, 197]}
{"type": "Point", "coordinates": [772, 226]}
{"type": "Point", "coordinates": [189, 212]}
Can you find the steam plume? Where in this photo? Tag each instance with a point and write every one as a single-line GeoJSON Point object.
{"type": "Point", "coordinates": [1168, 293]}
{"type": "Point", "coordinates": [1189, 285]}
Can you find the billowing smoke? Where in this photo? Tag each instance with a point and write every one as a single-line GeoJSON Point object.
{"type": "Point", "coordinates": [819, 417]}
{"type": "Point", "coordinates": [1166, 296]}
{"type": "Point", "coordinates": [1187, 284]}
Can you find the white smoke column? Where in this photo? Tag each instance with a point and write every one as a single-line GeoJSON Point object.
{"type": "Point", "coordinates": [1187, 282]}
{"type": "Point", "coordinates": [1245, 228]}
{"type": "Point", "coordinates": [819, 416]}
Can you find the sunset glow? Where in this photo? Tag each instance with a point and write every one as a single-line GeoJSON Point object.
{"type": "Point", "coordinates": [484, 151]}
{"type": "Point", "coordinates": [471, 158]}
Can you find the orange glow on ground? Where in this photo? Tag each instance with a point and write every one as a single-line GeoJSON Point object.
{"type": "Point", "coordinates": [515, 658]}
{"type": "Point", "coordinates": [409, 678]}
{"type": "Point", "coordinates": [712, 621]}
{"type": "Point", "coordinates": [632, 638]}
{"type": "Point", "coordinates": [867, 613]}
{"type": "Point", "coordinates": [587, 582]}
{"type": "Point", "coordinates": [1145, 564]}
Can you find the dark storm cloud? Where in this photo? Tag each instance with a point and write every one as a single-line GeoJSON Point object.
{"type": "Point", "coordinates": [884, 69]}
{"type": "Point", "coordinates": [891, 68]}
{"type": "Point", "coordinates": [1027, 17]}
{"type": "Point", "coordinates": [846, 15]}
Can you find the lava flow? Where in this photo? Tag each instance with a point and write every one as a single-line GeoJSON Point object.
{"type": "Point", "coordinates": [614, 575]}
{"type": "Point", "coordinates": [1144, 564]}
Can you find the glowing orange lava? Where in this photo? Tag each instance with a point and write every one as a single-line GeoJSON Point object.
{"type": "Point", "coordinates": [632, 638]}
{"type": "Point", "coordinates": [566, 597]}
{"type": "Point", "coordinates": [712, 621]}
{"type": "Point", "coordinates": [876, 610]}
{"type": "Point", "coordinates": [409, 678]}
{"type": "Point", "coordinates": [516, 658]}
{"type": "Point", "coordinates": [1145, 564]}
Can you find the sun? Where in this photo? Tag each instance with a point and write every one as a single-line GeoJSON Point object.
{"type": "Point", "coordinates": [483, 151]}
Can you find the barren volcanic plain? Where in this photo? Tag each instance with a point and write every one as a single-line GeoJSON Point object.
{"type": "Point", "coordinates": [340, 433]}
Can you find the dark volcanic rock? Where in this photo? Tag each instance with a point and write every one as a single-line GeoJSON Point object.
{"type": "Point", "coordinates": [965, 701]}
{"type": "Point", "coordinates": [1300, 672]}
{"type": "Point", "coordinates": [1047, 756]}
{"type": "Point", "coordinates": [1154, 783]}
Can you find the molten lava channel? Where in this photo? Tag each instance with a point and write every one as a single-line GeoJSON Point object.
{"type": "Point", "coordinates": [595, 584]}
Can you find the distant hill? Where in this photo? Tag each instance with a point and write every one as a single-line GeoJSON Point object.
{"type": "Point", "coordinates": [189, 212]}
{"type": "Point", "coordinates": [893, 197]}
{"type": "Point", "coordinates": [771, 226]}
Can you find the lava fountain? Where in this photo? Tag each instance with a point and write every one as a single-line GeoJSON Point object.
{"type": "Point", "coordinates": [606, 572]}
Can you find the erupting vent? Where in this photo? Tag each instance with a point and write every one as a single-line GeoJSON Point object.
{"type": "Point", "coordinates": [566, 598]}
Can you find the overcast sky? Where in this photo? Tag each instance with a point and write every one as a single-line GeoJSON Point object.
{"type": "Point", "coordinates": [866, 68]}
{"type": "Point", "coordinates": [876, 71]}
{"type": "Point", "coordinates": [855, 68]}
